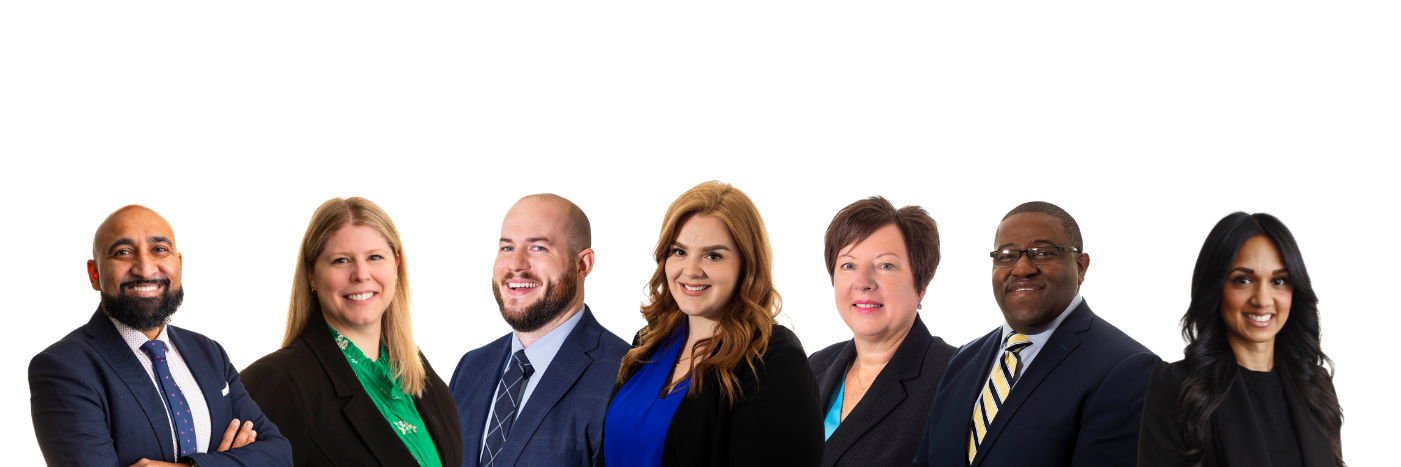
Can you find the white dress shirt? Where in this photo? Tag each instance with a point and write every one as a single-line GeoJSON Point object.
{"type": "Point", "coordinates": [199, 409]}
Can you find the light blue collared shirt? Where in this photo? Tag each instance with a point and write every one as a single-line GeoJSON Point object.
{"type": "Point", "coordinates": [540, 353]}
{"type": "Point", "coordinates": [1039, 338]}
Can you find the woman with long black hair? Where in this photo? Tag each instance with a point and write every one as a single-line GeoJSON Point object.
{"type": "Point", "coordinates": [1253, 388]}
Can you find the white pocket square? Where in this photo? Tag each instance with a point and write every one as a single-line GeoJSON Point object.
{"type": "Point", "coordinates": [225, 392]}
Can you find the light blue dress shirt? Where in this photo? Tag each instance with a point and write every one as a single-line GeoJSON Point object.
{"type": "Point", "coordinates": [540, 354]}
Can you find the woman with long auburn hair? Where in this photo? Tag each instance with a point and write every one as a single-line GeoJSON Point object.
{"type": "Point", "coordinates": [712, 380]}
{"type": "Point", "coordinates": [1253, 388]}
{"type": "Point", "coordinates": [349, 386]}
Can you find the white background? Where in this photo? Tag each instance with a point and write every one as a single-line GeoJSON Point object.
{"type": "Point", "coordinates": [1147, 122]}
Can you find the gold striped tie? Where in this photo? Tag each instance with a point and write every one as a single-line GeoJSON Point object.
{"type": "Point", "coordinates": [995, 391]}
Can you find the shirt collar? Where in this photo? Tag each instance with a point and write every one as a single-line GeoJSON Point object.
{"type": "Point", "coordinates": [135, 338]}
{"type": "Point", "coordinates": [1042, 335]}
{"type": "Point", "coordinates": [543, 350]}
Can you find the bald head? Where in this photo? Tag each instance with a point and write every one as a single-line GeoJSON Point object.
{"type": "Point", "coordinates": [128, 219]}
{"type": "Point", "coordinates": [572, 221]}
{"type": "Point", "coordinates": [136, 268]}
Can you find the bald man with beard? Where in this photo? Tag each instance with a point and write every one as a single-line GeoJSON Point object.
{"type": "Point", "coordinates": [126, 389]}
{"type": "Point", "coordinates": [537, 395]}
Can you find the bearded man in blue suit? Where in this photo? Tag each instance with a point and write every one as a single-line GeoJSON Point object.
{"type": "Point", "coordinates": [537, 395]}
{"type": "Point", "coordinates": [128, 389]}
{"type": "Point", "coordinates": [1055, 384]}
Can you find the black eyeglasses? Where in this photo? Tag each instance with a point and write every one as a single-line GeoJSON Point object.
{"type": "Point", "coordinates": [1039, 255]}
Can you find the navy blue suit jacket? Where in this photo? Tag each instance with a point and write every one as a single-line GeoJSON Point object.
{"type": "Point", "coordinates": [1079, 402]}
{"type": "Point", "coordinates": [94, 405]}
{"type": "Point", "coordinates": [562, 423]}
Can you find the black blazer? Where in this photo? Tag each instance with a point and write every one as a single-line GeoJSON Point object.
{"type": "Point", "coordinates": [775, 422]}
{"type": "Point", "coordinates": [1078, 404]}
{"type": "Point", "coordinates": [884, 427]}
{"type": "Point", "coordinates": [312, 394]}
{"type": "Point", "coordinates": [1239, 440]}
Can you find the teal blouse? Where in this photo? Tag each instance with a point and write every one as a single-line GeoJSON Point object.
{"type": "Point", "coordinates": [398, 408]}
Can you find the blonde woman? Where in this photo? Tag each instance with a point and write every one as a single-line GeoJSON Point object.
{"type": "Point", "coordinates": [713, 380]}
{"type": "Point", "coordinates": [349, 387]}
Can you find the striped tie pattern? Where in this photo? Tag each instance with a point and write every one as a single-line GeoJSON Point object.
{"type": "Point", "coordinates": [999, 384]}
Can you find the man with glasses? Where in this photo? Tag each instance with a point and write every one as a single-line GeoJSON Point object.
{"type": "Point", "coordinates": [1054, 384]}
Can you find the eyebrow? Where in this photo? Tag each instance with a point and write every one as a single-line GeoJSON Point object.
{"type": "Point", "coordinates": [1252, 271]}
{"type": "Point", "coordinates": [877, 256]}
{"type": "Point", "coordinates": [703, 250]}
{"type": "Point", "coordinates": [1033, 242]}
{"type": "Point", "coordinates": [158, 239]}
{"type": "Point", "coordinates": [121, 242]}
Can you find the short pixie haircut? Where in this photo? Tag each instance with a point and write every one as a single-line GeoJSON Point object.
{"type": "Point", "coordinates": [856, 222]}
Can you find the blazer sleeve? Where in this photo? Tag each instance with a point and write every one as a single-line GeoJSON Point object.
{"type": "Point", "coordinates": [281, 402]}
{"type": "Point", "coordinates": [778, 422]}
{"type": "Point", "coordinates": [1159, 440]}
{"type": "Point", "coordinates": [269, 449]}
{"type": "Point", "coordinates": [1109, 422]}
{"type": "Point", "coordinates": [68, 411]}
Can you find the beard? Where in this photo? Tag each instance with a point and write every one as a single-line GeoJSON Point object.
{"type": "Point", "coordinates": [558, 295]}
{"type": "Point", "coordinates": [143, 313]}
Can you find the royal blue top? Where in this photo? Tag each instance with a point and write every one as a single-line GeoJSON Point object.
{"type": "Point", "coordinates": [638, 419]}
{"type": "Point", "coordinates": [834, 414]}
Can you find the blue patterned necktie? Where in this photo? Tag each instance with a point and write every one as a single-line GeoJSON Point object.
{"type": "Point", "coordinates": [174, 399]}
{"type": "Point", "coordinates": [508, 393]}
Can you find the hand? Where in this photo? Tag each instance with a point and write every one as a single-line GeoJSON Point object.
{"type": "Point", "coordinates": [234, 437]}
{"type": "Point", "coordinates": [151, 463]}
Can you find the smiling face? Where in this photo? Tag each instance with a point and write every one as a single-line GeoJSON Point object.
{"type": "Point", "coordinates": [703, 268]}
{"type": "Point", "coordinates": [1032, 295]}
{"type": "Point", "coordinates": [874, 286]}
{"type": "Point", "coordinates": [536, 278]}
{"type": "Point", "coordinates": [354, 277]}
{"type": "Point", "coordinates": [1255, 300]}
{"type": "Point", "coordinates": [136, 268]}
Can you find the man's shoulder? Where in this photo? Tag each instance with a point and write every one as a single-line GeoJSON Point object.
{"type": "Point", "coordinates": [72, 347]}
{"type": "Point", "coordinates": [487, 354]}
{"type": "Point", "coordinates": [1110, 340]}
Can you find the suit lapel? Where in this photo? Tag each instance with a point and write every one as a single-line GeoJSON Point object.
{"type": "Point", "coordinates": [474, 412]}
{"type": "Point", "coordinates": [211, 382]}
{"type": "Point", "coordinates": [103, 337]}
{"type": "Point", "coordinates": [962, 390]}
{"type": "Point", "coordinates": [1062, 343]}
{"type": "Point", "coordinates": [885, 394]}
{"type": "Point", "coordinates": [1238, 434]}
{"type": "Point", "coordinates": [429, 411]}
{"type": "Point", "coordinates": [565, 369]}
{"type": "Point", "coordinates": [831, 378]}
{"type": "Point", "coordinates": [360, 411]}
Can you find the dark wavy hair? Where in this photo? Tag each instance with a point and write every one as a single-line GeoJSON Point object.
{"type": "Point", "coordinates": [1211, 364]}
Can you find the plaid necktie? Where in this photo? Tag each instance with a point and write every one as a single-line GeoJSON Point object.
{"type": "Point", "coordinates": [174, 399]}
{"type": "Point", "coordinates": [508, 393]}
{"type": "Point", "coordinates": [999, 384]}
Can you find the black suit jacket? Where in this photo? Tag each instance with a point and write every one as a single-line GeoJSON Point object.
{"type": "Point", "coordinates": [1078, 403]}
{"type": "Point", "coordinates": [311, 392]}
{"type": "Point", "coordinates": [562, 422]}
{"type": "Point", "coordinates": [1239, 440]}
{"type": "Point", "coordinates": [93, 403]}
{"type": "Point", "coordinates": [776, 422]}
{"type": "Point", "coordinates": [884, 427]}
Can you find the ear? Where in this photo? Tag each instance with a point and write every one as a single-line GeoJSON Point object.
{"type": "Point", "coordinates": [92, 275]}
{"type": "Point", "coordinates": [180, 259]}
{"type": "Point", "coordinates": [584, 260]}
{"type": "Point", "coordinates": [1082, 264]}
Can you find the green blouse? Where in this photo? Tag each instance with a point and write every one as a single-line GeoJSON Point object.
{"type": "Point", "coordinates": [398, 408]}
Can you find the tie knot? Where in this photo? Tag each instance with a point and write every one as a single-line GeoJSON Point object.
{"type": "Point", "coordinates": [154, 349]}
{"type": "Point", "coordinates": [1017, 341]}
{"type": "Point", "coordinates": [526, 368]}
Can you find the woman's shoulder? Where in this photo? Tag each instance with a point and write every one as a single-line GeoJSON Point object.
{"type": "Point", "coordinates": [1168, 377]}
{"type": "Point", "coordinates": [288, 360]}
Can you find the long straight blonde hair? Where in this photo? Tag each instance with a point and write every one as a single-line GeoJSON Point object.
{"type": "Point", "coordinates": [396, 329]}
{"type": "Point", "coordinates": [743, 328]}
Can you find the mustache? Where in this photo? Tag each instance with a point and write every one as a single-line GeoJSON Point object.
{"type": "Point", "coordinates": [523, 275]}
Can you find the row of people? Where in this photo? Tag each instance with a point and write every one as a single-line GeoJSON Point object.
{"type": "Point", "coordinates": [712, 379]}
